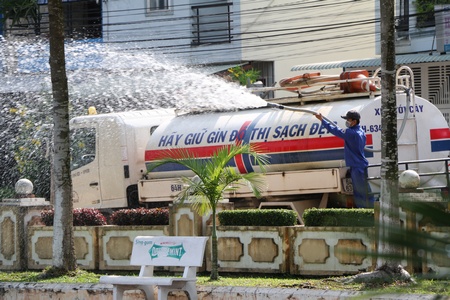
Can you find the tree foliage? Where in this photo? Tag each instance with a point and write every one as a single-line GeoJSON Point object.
{"type": "Point", "coordinates": [32, 147]}
{"type": "Point", "coordinates": [425, 11]}
{"type": "Point", "coordinates": [213, 177]}
{"type": "Point", "coordinates": [242, 75]}
{"type": "Point", "coordinates": [19, 11]}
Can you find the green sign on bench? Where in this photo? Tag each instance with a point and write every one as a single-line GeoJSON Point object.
{"type": "Point", "coordinates": [156, 251]}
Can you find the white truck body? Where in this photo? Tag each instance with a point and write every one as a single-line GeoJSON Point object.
{"type": "Point", "coordinates": [305, 158]}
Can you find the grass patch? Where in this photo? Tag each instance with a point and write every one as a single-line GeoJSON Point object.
{"type": "Point", "coordinates": [422, 285]}
{"type": "Point", "coordinates": [80, 276]}
{"type": "Point", "coordinates": [278, 281]}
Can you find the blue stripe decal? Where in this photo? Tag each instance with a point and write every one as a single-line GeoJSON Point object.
{"type": "Point", "coordinates": [248, 133]}
{"type": "Point", "coordinates": [443, 145]}
{"type": "Point", "coordinates": [368, 153]}
{"type": "Point", "coordinates": [280, 159]}
{"type": "Point", "coordinates": [306, 156]}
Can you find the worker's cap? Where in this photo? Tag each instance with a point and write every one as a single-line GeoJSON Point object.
{"type": "Point", "coordinates": [352, 114]}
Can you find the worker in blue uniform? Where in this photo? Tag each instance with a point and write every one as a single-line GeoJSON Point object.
{"type": "Point", "coordinates": [355, 159]}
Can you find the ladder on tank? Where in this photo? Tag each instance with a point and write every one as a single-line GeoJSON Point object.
{"type": "Point", "coordinates": [408, 124]}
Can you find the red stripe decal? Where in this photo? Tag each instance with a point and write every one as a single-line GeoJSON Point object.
{"type": "Point", "coordinates": [440, 133]}
{"type": "Point", "coordinates": [202, 151]}
{"type": "Point", "coordinates": [238, 158]}
{"type": "Point", "coordinates": [308, 144]}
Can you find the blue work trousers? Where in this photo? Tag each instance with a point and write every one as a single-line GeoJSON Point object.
{"type": "Point", "coordinates": [361, 188]}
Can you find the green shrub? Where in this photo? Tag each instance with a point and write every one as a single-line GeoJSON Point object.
{"type": "Point", "coordinates": [141, 216]}
{"type": "Point", "coordinates": [240, 74]}
{"type": "Point", "coordinates": [81, 217]}
{"type": "Point", "coordinates": [425, 12]}
{"type": "Point", "coordinates": [358, 217]}
{"type": "Point", "coordinates": [258, 217]}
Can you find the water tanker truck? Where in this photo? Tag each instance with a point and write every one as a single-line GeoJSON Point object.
{"type": "Point", "coordinates": [306, 162]}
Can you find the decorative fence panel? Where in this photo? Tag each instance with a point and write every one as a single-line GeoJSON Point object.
{"type": "Point", "coordinates": [438, 263]}
{"type": "Point", "coordinates": [116, 242]}
{"type": "Point", "coordinates": [16, 217]}
{"type": "Point", "coordinates": [330, 250]}
{"type": "Point", "coordinates": [251, 249]}
{"type": "Point", "coordinates": [25, 244]}
{"type": "Point", "coordinates": [40, 241]}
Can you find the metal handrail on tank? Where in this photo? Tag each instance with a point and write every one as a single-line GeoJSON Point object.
{"type": "Point", "coordinates": [322, 84]}
{"type": "Point", "coordinates": [407, 164]}
{"type": "Point", "coordinates": [405, 83]}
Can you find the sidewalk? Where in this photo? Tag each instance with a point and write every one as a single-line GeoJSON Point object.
{"type": "Point", "coordinates": [40, 291]}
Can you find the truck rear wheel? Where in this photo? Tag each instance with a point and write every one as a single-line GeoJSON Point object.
{"type": "Point", "coordinates": [132, 196]}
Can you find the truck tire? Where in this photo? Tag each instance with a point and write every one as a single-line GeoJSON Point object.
{"type": "Point", "coordinates": [132, 196]}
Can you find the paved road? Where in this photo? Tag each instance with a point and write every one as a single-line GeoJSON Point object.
{"type": "Point", "coordinates": [40, 291]}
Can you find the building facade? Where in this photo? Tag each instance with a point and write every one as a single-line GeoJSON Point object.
{"type": "Point", "coordinates": [268, 35]}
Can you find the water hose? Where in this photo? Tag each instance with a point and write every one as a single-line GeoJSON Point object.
{"type": "Point", "coordinates": [309, 111]}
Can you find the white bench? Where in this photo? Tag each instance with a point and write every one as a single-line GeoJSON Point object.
{"type": "Point", "coordinates": [167, 251]}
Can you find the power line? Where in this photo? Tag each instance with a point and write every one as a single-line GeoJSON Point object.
{"type": "Point", "coordinates": [246, 38]}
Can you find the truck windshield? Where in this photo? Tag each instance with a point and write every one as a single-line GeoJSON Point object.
{"type": "Point", "coordinates": [82, 147]}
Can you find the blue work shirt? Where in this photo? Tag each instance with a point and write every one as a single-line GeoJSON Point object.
{"type": "Point", "coordinates": [354, 143]}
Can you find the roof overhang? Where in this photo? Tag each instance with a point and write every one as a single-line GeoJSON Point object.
{"type": "Point", "coordinates": [406, 59]}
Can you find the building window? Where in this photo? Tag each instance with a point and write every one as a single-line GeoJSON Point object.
{"type": "Point", "coordinates": [82, 147]}
{"type": "Point", "coordinates": [425, 12]}
{"type": "Point", "coordinates": [158, 5]}
{"type": "Point", "coordinates": [402, 22]}
{"type": "Point", "coordinates": [211, 24]}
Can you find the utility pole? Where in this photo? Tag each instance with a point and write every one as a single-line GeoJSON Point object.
{"type": "Point", "coordinates": [389, 220]}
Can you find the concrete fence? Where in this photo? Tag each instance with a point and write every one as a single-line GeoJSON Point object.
{"type": "Point", "coordinates": [292, 249]}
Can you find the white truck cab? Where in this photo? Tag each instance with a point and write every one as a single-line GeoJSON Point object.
{"type": "Point", "coordinates": [108, 156]}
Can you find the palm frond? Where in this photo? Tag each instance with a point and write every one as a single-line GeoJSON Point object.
{"type": "Point", "coordinates": [228, 176]}
{"type": "Point", "coordinates": [262, 160]}
{"type": "Point", "coordinates": [202, 205]}
{"type": "Point", "coordinates": [256, 182]}
{"type": "Point", "coordinates": [178, 156]}
{"type": "Point", "coordinates": [192, 186]}
{"type": "Point", "coordinates": [213, 176]}
{"type": "Point", "coordinates": [194, 192]}
{"type": "Point", "coordinates": [232, 180]}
